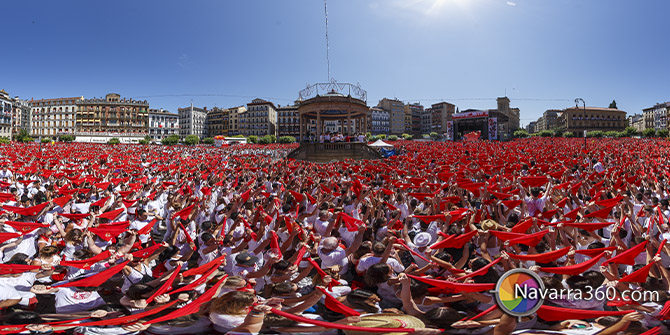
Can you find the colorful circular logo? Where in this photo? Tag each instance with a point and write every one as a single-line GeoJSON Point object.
{"type": "Point", "coordinates": [519, 292]}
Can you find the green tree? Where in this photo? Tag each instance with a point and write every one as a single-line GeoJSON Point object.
{"type": "Point", "coordinates": [630, 131]}
{"type": "Point", "coordinates": [611, 133]}
{"type": "Point", "coordinates": [191, 140]}
{"type": "Point", "coordinates": [23, 136]}
{"type": "Point", "coordinates": [237, 136]}
{"type": "Point", "coordinates": [434, 135]}
{"type": "Point", "coordinates": [208, 140]}
{"type": "Point", "coordinates": [66, 138]}
{"type": "Point", "coordinates": [650, 132]}
{"type": "Point", "coordinates": [621, 134]}
{"type": "Point", "coordinates": [114, 140]}
{"type": "Point", "coordinates": [613, 104]}
{"type": "Point", "coordinates": [46, 139]}
{"type": "Point", "coordinates": [568, 134]}
{"type": "Point", "coordinates": [267, 139]}
{"type": "Point", "coordinates": [381, 137]}
{"type": "Point", "coordinates": [170, 140]}
{"type": "Point", "coordinates": [393, 137]}
{"type": "Point", "coordinates": [595, 133]}
{"type": "Point", "coordinates": [521, 133]}
{"type": "Point", "coordinates": [286, 139]}
{"type": "Point", "coordinates": [4, 140]}
{"type": "Point", "coordinates": [663, 133]}
{"type": "Point", "coordinates": [143, 142]}
{"type": "Point", "coordinates": [546, 133]}
{"type": "Point", "coordinates": [252, 139]}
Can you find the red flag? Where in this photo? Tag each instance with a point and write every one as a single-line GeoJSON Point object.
{"type": "Point", "coordinates": [129, 203]}
{"type": "Point", "coordinates": [572, 215]}
{"type": "Point", "coordinates": [523, 226]}
{"type": "Point", "coordinates": [297, 196]}
{"type": "Point", "coordinates": [245, 196]}
{"type": "Point", "coordinates": [639, 276]}
{"type": "Point", "coordinates": [96, 279]}
{"type": "Point", "coordinates": [351, 223]}
{"type": "Point", "coordinates": [184, 213]}
{"type": "Point", "coordinates": [321, 272]}
{"type": "Point", "coordinates": [124, 320]}
{"type": "Point", "coordinates": [188, 237]}
{"type": "Point", "coordinates": [544, 258]}
{"type": "Point", "coordinates": [87, 263]}
{"type": "Point", "coordinates": [75, 216]}
{"type": "Point", "coordinates": [505, 236]}
{"type": "Point", "coordinates": [301, 253]}
{"type": "Point", "coordinates": [660, 247]}
{"type": "Point", "coordinates": [456, 287]}
{"type": "Point", "coordinates": [357, 187]}
{"type": "Point", "coordinates": [62, 201]}
{"type": "Point", "coordinates": [213, 264]}
{"type": "Point", "coordinates": [100, 202]}
{"type": "Point", "coordinates": [594, 252]}
{"type": "Point", "coordinates": [192, 307]}
{"type": "Point", "coordinates": [574, 269]}
{"type": "Point", "coordinates": [529, 240]}
{"type": "Point", "coordinates": [454, 241]}
{"type": "Point", "coordinates": [627, 257]}
{"type": "Point", "coordinates": [274, 245]}
{"type": "Point", "coordinates": [535, 181]}
{"type": "Point", "coordinates": [430, 218]}
{"type": "Point", "coordinates": [6, 269]}
{"type": "Point", "coordinates": [110, 232]}
{"type": "Point", "coordinates": [25, 211]}
{"type": "Point", "coordinates": [601, 213]}
{"type": "Point", "coordinates": [550, 313]}
{"type": "Point", "coordinates": [511, 203]}
{"type": "Point", "coordinates": [25, 227]}
{"type": "Point", "coordinates": [589, 226]}
{"type": "Point", "coordinates": [192, 285]}
{"type": "Point", "coordinates": [146, 229]}
{"type": "Point", "coordinates": [144, 253]}
{"type": "Point", "coordinates": [336, 306]}
{"type": "Point", "coordinates": [111, 215]}
{"type": "Point", "coordinates": [167, 285]}
{"type": "Point", "coordinates": [8, 236]}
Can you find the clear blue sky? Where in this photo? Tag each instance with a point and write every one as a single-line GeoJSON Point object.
{"type": "Point", "coordinates": [416, 50]}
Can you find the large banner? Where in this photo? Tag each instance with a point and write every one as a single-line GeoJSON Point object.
{"type": "Point", "coordinates": [493, 128]}
{"type": "Point", "coordinates": [470, 115]}
{"type": "Point", "coordinates": [450, 130]}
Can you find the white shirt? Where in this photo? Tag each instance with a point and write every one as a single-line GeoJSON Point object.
{"type": "Point", "coordinates": [69, 300]}
{"type": "Point", "coordinates": [335, 257]}
{"type": "Point", "coordinates": [365, 263]}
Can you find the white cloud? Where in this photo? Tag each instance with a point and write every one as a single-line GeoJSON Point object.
{"type": "Point", "coordinates": [509, 3]}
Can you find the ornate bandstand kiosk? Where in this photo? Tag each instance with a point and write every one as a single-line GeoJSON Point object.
{"type": "Point", "coordinates": [342, 106]}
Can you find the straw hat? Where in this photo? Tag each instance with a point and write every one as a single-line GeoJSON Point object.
{"type": "Point", "coordinates": [488, 224]}
{"type": "Point", "coordinates": [387, 320]}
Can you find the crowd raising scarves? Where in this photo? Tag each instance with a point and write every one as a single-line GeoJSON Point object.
{"type": "Point", "coordinates": [131, 239]}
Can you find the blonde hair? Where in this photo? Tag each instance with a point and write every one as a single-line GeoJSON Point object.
{"type": "Point", "coordinates": [232, 303]}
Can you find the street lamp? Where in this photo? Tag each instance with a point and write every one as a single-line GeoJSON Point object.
{"type": "Point", "coordinates": [583, 104]}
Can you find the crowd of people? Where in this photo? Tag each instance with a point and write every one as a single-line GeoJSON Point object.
{"type": "Point", "coordinates": [133, 239]}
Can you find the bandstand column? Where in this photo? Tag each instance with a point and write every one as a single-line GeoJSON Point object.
{"type": "Point", "coordinates": [348, 122]}
{"type": "Point", "coordinates": [318, 126]}
{"type": "Point", "coordinates": [300, 137]}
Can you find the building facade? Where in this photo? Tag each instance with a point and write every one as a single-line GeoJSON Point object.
{"type": "Point", "coordinates": [396, 110]}
{"type": "Point", "coordinates": [53, 117]}
{"type": "Point", "coordinates": [6, 111]}
{"type": "Point", "coordinates": [21, 116]}
{"type": "Point", "coordinates": [112, 116]}
{"type": "Point", "coordinates": [426, 121]}
{"type": "Point", "coordinates": [379, 121]}
{"type": "Point", "coordinates": [192, 121]}
{"type": "Point", "coordinates": [656, 117]}
{"type": "Point", "coordinates": [532, 127]}
{"type": "Point", "coordinates": [288, 121]}
{"type": "Point", "coordinates": [162, 124]}
{"type": "Point", "coordinates": [441, 114]}
{"type": "Point", "coordinates": [548, 120]}
{"type": "Point", "coordinates": [636, 121]}
{"type": "Point", "coordinates": [577, 120]}
{"type": "Point", "coordinates": [215, 122]}
{"type": "Point", "coordinates": [234, 119]}
{"type": "Point", "coordinates": [415, 112]}
{"type": "Point", "coordinates": [260, 119]}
